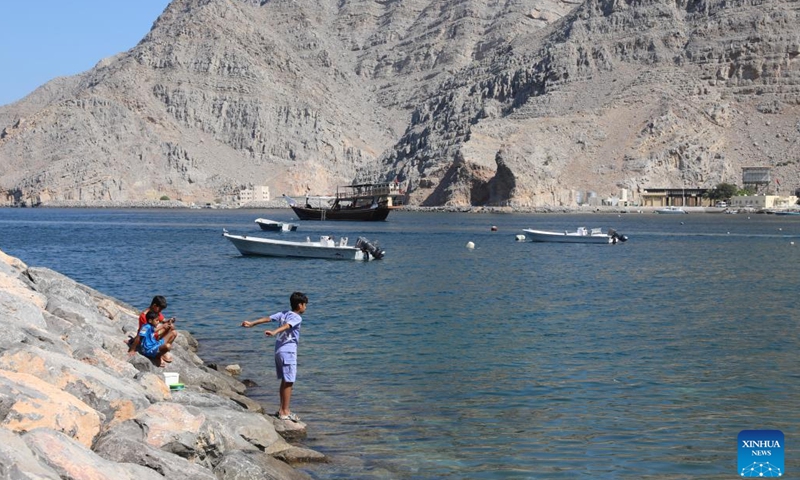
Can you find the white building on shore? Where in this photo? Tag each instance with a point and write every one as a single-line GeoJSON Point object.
{"type": "Point", "coordinates": [258, 193]}
{"type": "Point", "coordinates": [763, 202]}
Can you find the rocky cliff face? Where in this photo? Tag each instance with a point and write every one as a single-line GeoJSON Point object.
{"type": "Point", "coordinates": [522, 103]}
{"type": "Point", "coordinates": [616, 94]}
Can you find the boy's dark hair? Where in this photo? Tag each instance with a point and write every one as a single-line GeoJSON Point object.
{"type": "Point", "coordinates": [159, 301]}
{"type": "Point", "coordinates": [151, 315]}
{"type": "Point", "coordinates": [297, 298]}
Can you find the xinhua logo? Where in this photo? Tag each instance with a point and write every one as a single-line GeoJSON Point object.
{"type": "Point", "coordinates": [760, 453]}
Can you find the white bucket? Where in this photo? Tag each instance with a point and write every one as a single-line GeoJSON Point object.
{"type": "Point", "coordinates": [171, 378]}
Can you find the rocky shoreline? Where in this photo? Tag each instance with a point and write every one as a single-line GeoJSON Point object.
{"type": "Point", "coordinates": [74, 405]}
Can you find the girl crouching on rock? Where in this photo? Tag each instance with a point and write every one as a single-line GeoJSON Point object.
{"type": "Point", "coordinates": [147, 344]}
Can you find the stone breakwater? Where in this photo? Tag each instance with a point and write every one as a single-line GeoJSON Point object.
{"type": "Point", "coordinates": [74, 405]}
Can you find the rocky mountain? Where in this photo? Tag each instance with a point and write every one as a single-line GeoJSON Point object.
{"type": "Point", "coordinates": [616, 94]}
{"type": "Point", "coordinates": [523, 103]}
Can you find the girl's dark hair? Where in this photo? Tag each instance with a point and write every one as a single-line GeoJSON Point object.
{"type": "Point", "coordinates": [297, 298]}
{"type": "Point", "coordinates": [151, 315]}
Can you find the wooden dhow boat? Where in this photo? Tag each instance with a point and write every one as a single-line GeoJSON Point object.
{"type": "Point", "coordinates": [369, 202]}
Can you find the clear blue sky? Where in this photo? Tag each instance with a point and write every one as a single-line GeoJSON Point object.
{"type": "Point", "coordinates": [44, 39]}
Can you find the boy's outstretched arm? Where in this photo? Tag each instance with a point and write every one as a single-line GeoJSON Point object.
{"type": "Point", "coordinates": [247, 324]}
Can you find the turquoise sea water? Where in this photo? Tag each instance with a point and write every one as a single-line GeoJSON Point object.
{"type": "Point", "coordinates": [512, 360]}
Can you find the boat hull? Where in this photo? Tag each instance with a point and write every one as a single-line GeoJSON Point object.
{"type": "Point", "coordinates": [268, 247]}
{"type": "Point", "coordinates": [566, 237]}
{"type": "Point", "coordinates": [671, 211]}
{"type": "Point", "coordinates": [272, 226]}
{"type": "Point", "coordinates": [367, 214]}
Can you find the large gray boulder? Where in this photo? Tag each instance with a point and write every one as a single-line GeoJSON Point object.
{"type": "Point", "coordinates": [255, 429]}
{"type": "Point", "coordinates": [203, 435]}
{"type": "Point", "coordinates": [15, 283]}
{"type": "Point", "coordinates": [117, 399]}
{"type": "Point", "coordinates": [199, 375]}
{"type": "Point", "coordinates": [11, 266]}
{"type": "Point", "coordinates": [54, 284]}
{"type": "Point", "coordinates": [299, 455]}
{"type": "Point", "coordinates": [19, 312]}
{"type": "Point", "coordinates": [288, 429]}
{"type": "Point", "coordinates": [97, 356]}
{"type": "Point", "coordinates": [10, 335]}
{"type": "Point", "coordinates": [187, 432]}
{"type": "Point", "coordinates": [250, 465]}
{"type": "Point", "coordinates": [125, 443]}
{"type": "Point", "coordinates": [243, 401]}
{"type": "Point", "coordinates": [27, 403]}
{"type": "Point", "coordinates": [89, 325]}
{"type": "Point", "coordinates": [18, 462]}
{"type": "Point", "coordinates": [203, 400]}
{"type": "Point", "coordinates": [71, 460]}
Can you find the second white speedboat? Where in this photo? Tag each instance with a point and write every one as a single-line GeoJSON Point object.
{"type": "Point", "coordinates": [273, 226]}
{"type": "Point", "coordinates": [325, 248]}
{"type": "Point", "coordinates": [581, 235]}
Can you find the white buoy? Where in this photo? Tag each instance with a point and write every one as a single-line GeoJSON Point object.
{"type": "Point", "coordinates": [791, 243]}
{"type": "Point", "coordinates": [520, 238]}
{"type": "Point", "coordinates": [470, 245]}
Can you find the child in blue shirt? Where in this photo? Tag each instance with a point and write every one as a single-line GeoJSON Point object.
{"type": "Point", "coordinates": [287, 336]}
{"type": "Point", "coordinates": [148, 344]}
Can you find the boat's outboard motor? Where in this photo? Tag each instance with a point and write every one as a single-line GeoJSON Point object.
{"type": "Point", "coordinates": [616, 237]}
{"type": "Point", "coordinates": [369, 248]}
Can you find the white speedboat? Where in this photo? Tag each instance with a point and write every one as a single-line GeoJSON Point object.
{"type": "Point", "coordinates": [581, 235]}
{"type": "Point", "coordinates": [273, 226]}
{"type": "Point", "coordinates": [325, 248]}
{"type": "Point", "coordinates": [671, 211]}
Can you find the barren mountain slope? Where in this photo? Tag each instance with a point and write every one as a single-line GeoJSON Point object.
{"type": "Point", "coordinates": [619, 94]}
{"type": "Point", "coordinates": [298, 95]}
{"type": "Point", "coordinates": [208, 101]}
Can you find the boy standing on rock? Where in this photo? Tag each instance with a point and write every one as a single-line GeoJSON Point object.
{"type": "Point", "coordinates": [287, 336]}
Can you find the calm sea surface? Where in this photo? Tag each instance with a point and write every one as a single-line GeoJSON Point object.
{"type": "Point", "coordinates": [512, 360]}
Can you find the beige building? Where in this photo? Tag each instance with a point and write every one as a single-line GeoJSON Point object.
{"type": "Point", "coordinates": [760, 202]}
{"type": "Point", "coordinates": [674, 197]}
{"type": "Point", "coordinates": [259, 193]}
